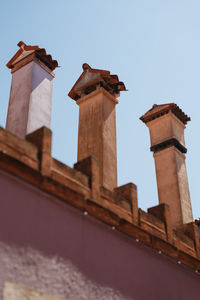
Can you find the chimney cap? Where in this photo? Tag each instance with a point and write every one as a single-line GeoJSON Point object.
{"type": "Point", "coordinates": [91, 78]}
{"type": "Point", "coordinates": [159, 110]}
{"type": "Point", "coordinates": [26, 50]}
{"type": "Point", "coordinates": [86, 67]}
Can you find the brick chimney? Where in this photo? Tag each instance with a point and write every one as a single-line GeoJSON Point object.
{"type": "Point", "coordinates": [96, 93]}
{"type": "Point", "coordinates": [31, 90]}
{"type": "Point", "coordinates": [166, 124]}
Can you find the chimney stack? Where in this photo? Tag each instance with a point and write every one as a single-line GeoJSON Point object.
{"type": "Point", "coordinates": [31, 90]}
{"type": "Point", "coordinates": [166, 125]}
{"type": "Point", "coordinates": [96, 93]}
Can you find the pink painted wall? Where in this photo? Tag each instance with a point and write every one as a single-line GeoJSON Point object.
{"type": "Point", "coordinates": [56, 249]}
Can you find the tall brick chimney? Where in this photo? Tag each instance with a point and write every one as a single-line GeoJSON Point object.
{"type": "Point", "coordinates": [95, 92]}
{"type": "Point", "coordinates": [31, 90]}
{"type": "Point", "coordinates": [166, 124]}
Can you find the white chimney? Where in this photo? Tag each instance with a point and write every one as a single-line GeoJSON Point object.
{"type": "Point", "coordinates": [31, 90]}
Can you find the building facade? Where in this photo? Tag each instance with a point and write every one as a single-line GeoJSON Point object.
{"type": "Point", "coordinates": [73, 233]}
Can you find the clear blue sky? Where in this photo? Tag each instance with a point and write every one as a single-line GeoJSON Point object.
{"type": "Point", "coordinates": [154, 47]}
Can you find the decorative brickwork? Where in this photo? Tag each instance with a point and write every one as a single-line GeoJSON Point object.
{"type": "Point", "coordinates": [79, 187]}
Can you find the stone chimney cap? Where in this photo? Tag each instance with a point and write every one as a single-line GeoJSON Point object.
{"type": "Point", "coordinates": [91, 79]}
{"type": "Point", "coordinates": [39, 53]}
{"type": "Point", "coordinates": [159, 110]}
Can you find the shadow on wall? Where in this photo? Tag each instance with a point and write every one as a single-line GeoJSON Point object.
{"type": "Point", "coordinates": [39, 75]}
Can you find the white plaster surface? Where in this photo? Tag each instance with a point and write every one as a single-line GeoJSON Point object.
{"type": "Point", "coordinates": [51, 275]}
{"type": "Point", "coordinates": [13, 291]}
{"type": "Point", "coordinates": [30, 100]}
{"type": "Point", "coordinates": [40, 99]}
{"type": "Point", "coordinates": [19, 100]}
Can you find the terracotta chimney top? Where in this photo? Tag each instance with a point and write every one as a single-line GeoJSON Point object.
{"type": "Point", "coordinates": [31, 90]}
{"type": "Point", "coordinates": [91, 79]}
{"type": "Point", "coordinates": [31, 52]}
{"type": "Point", "coordinates": [166, 125]}
{"type": "Point", "coordinates": [95, 92]}
{"type": "Point", "coordinates": [160, 110]}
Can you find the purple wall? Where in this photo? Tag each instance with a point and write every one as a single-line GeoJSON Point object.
{"type": "Point", "coordinates": [56, 249]}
